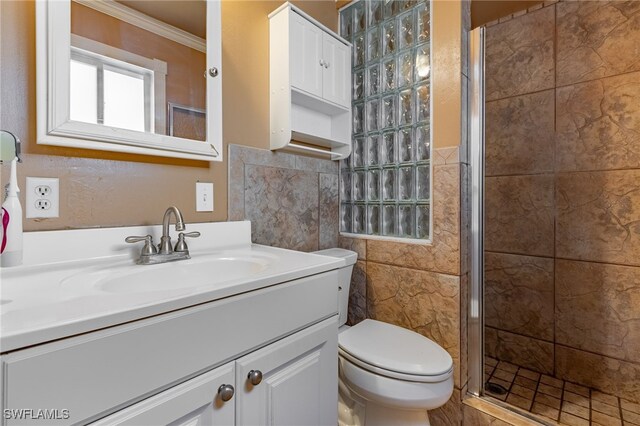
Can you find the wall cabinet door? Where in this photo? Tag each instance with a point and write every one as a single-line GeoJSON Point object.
{"type": "Point", "coordinates": [299, 380]}
{"type": "Point", "coordinates": [336, 80]}
{"type": "Point", "coordinates": [306, 55]}
{"type": "Point", "coordinates": [196, 402]}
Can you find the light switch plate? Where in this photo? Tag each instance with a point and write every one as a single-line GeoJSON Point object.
{"type": "Point", "coordinates": [204, 196]}
{"type": "Point", "coordinates": [42, 197]}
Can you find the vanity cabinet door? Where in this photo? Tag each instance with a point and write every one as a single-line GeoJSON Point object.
{"type": "Point", "coordinates": [299, 383]}
{"type": "Point", "coordinates": [197, 402]}
{"type": "Point", "coordinates": [306, 55]}
{"type": "Point", "coordinates": [336, 81]}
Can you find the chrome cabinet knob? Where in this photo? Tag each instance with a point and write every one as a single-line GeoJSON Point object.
{"type": "Point", "coordinates": [226, 392]}
{"type": "Point", "coordinates": [255, 377]}
{"type": "Point", "coordinates": [327, 64]}
{"type": "Point", "coordinates": [321, 63]}
{"type": "Point", "coordinates": [213, 72]}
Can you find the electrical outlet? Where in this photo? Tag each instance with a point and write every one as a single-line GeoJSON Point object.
{"type": "Point", "coordinates": [42, 197]}
{"type": "Point", "coordinates": [43, 204]}
{"type": "Point", "coordinates": [43, 190]}
{"type": "Point", "coordinates": [204, 196]}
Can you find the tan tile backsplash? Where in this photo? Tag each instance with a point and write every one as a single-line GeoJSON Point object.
{"type": "Point", "coordinates": [291, 201]}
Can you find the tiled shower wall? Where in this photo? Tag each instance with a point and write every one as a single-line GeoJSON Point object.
{"type": "Point", "coordinates": [562, 285]}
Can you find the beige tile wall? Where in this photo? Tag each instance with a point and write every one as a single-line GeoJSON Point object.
{"type": "Point", "coordinates": [563, 193]}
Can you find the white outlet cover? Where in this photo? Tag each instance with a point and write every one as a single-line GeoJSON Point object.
{"type": "Point", "coordinates": [204, 196]}
{"type": "Point", "coordinates": [32, 197]}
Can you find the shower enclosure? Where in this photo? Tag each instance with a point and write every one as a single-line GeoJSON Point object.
{"type": "Point", "coordinates": [554, 314]}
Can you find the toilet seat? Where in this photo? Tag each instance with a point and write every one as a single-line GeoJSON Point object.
{"type": "Point", "coordinates": [395, 352]}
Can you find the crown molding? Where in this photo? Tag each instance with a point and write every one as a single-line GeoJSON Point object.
{"type": "Point", "coordinates": [133, 17]}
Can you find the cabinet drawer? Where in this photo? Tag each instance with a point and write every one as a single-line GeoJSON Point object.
{"type": "Point", "coordinates": [193, 402]}
{"type": "Point", "coordinates": [98, 373]}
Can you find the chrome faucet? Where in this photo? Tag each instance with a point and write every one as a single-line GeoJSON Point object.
{"type": "Point", "coordinates": [151, 255]}
{"type": "Point", "coordinates": [165, 241]}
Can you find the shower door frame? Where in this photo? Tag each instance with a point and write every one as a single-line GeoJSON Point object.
{"type": "Point", "coordinates": [475, 314]}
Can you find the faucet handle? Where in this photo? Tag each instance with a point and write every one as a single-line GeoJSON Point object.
{"type": "Point", "coordinates": [148, 249]}
{"type": "Point", "coordinates": [181, 245]}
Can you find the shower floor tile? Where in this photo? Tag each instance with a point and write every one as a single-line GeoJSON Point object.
{"type": "Point", "coordinates": [555, 401]}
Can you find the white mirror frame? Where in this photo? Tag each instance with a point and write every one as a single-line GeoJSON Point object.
{"type": "Point", "coordinates": [54, 127]}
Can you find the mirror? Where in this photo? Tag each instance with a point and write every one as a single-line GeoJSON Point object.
{"type": "Point", "coordinates": [9, 147]}
{"type": "Point", "coordinates": [131, 76]}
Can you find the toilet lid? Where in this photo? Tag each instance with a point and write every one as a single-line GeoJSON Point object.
{"type": "Point", "coordinates": [395, 349]}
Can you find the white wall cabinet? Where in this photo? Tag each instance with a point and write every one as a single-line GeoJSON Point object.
{"type": "Point", "coordinates": [307, 69]}
{"type": "Point", "coordinates": [336, 78]}
{"type": "Point", "coordinates": [310, 85]}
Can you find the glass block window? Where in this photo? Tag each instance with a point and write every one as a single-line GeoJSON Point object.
{"type": "Point", "coordinates": [385, 185]}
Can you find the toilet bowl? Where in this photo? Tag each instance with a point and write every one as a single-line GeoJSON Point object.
{"type": "Point", "coordinates": [388, 375]}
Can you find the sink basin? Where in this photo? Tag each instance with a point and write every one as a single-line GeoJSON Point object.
{"type": "Point", "coordinates": [182, 275]}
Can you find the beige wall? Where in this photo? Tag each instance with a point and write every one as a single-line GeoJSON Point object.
{"type": "Point", "coordinates": [111, 189]}
{"type": "Point", "coordinates": [484, 11]}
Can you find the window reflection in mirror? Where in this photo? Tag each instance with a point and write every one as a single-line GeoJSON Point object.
{"type": "Point", "coordinates": [139, 65]}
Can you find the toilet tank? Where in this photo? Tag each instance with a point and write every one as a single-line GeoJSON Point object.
{"type": "Point", "coordinates": [344, 278]}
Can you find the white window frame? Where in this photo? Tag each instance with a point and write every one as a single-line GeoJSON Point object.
{"type": "Point", "coordinates": [153, 71]}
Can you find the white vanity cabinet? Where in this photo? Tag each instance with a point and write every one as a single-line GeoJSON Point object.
{"type": "Point", "coordinates": [310, 85]}
{"type": "Point", "coordinates": [296, 386]}
{"type": "Point", "coordinates": [168, 369]}
{"type": "Point", "coordinates": [196, 402]}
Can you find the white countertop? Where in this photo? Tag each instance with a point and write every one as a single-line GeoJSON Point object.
{"type": "Point", "coordinates": [43, 301]}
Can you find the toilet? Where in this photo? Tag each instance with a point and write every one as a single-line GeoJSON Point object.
{"type": "Point", "coordinates": [388, 375]}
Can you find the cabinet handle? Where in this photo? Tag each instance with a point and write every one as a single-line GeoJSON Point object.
{"type": "Point", "coordinates": [213, 72]}
{"type": "Point", "coordinates": [321, 63]}
{"type": "Point", "coordinates": [226, 392]}
{"type": "Point", "coordinates": [255, 377]}
{"type": "Point", "coordinates": [327, 64]}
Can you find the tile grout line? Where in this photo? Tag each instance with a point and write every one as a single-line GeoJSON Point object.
{"type": "Point", "coordinates": [590, 405]}
{"type": "Point", "coordinates": [561, 400]}
{"type": "Point", "coordinates": [599, 262]}
{"type": "Point", "coordinates": [535, 392]}
{"type": "Point", "coordinates": [620, 410]}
